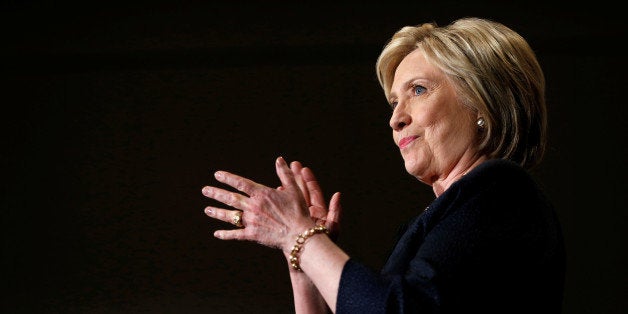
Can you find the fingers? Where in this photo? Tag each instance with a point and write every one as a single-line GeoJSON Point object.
{"type": "Point", "coordinates": [271, 212]}
{"type": "Point", "coordinates": [225, 215]}
{"type": "Point", "coordinates": [316, 193]}
{"type": "Point", "coordinates": [228, 216]}
{"type": "Point", "coordinates": [296, 168]}
{"type": "Point", "coordinates": [236, 234]}
{"type": "Point", "coordinates": [335, 209]}
{"type": "Point", "coordinates": [333, 216]}
{"type": "Point", "coordinates": [285, 175]}
{"type": "Point", "coordinates": [235, 200]}
{"type": "Point", "coordinates": [318, 213]}
{"type": "Point", "coordinates": [240, 183]}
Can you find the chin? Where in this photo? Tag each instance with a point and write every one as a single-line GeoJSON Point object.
{"type": "Point", "coordinates": [416, 170]}
{"type": "Point", "coordinates": [412, 168]}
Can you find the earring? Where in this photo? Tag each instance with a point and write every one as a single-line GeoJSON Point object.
{"type": "Point", "coordinates": [481, 123]}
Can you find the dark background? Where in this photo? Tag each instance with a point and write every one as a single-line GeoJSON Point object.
{"type": "Point", "coordinates": [115, 116]}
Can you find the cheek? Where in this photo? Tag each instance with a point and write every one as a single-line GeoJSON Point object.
{"type": "Point", "coordinates": [459, 135]}
{"type": "Point", "coordinates": [425, 118]}
{"type": "Point", "coordinates": [460, 121]}
{"type": "Point", "coordinates": [465, 124]}
{"type": "Point", "coordinates": [446, 137]}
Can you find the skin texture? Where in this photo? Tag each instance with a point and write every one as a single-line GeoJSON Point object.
{"type": "Point", "coordinates": [441, 129]}
{"type": "Point", "coordinates": [442, 148]}
{"type": "Point", "coordinates": [273, 217]}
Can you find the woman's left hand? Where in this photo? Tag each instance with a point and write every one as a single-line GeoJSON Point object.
{"type": "Point", "coordinates": [269, 216]}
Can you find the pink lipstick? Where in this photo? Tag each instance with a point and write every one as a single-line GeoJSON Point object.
{"type": "Point", "coordinates": [406, 141]}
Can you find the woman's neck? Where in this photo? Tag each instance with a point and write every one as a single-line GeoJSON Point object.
{"type": "Point", "coordinates": [458, 171]}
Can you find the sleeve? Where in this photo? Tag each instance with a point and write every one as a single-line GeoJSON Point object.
{"type": "Point", "coordinates": [364, 291]}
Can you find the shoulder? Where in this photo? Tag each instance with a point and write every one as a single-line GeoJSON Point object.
{"type": "Point", "coordinates": [497, 174]}
{"type": "Point", "coordinates": [494, 184]}
{"type": "Point", "coordinates": [498, 169]}
{"type": "Point", "coordinates": [495, 192]}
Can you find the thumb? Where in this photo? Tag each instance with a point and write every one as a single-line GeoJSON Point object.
{"type": "Point", "coordinates": [333, 217]}
{"type": "Point", "coordinates": [335, 209]}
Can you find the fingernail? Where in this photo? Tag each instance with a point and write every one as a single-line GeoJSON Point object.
{"type": "Point", "coordinates": [209, 211]}
{"type": "Point", "coordinates": [205, 190]}
{"type": "Point", "coordinates": [280, 160]}
{"type": "Point", "coordinates": [217, 234]}
{"type": "Point", "coordinates": [218, 175]}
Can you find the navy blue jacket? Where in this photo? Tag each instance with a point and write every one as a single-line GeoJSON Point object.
{"type": "Point", "coordinates": [491, 243]}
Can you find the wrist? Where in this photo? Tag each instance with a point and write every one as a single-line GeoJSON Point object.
{"type": "Point", "coordinates": [300, 242]}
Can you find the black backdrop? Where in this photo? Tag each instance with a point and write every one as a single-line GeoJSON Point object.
{"type": "Point", "coordinates": [115, 116]}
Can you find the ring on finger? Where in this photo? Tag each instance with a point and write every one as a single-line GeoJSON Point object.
{"type": "Point", "coordinates": [236, 219]}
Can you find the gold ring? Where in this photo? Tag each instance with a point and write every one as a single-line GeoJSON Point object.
{"type": "Point", "coordinates": [237, 219]}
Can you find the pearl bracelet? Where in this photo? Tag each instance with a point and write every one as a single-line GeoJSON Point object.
{"type": "Point", "coordinates": [294, 258]}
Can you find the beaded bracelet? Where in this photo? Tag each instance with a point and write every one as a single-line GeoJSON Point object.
{"type": "Point", "coordinates": [294, 258]}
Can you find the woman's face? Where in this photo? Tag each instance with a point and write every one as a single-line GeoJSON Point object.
{"type": "Point", "coordinates": [432, 128]}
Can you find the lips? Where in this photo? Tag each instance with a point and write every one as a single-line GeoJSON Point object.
{"type": "Point", "coordinates": [406, 141]}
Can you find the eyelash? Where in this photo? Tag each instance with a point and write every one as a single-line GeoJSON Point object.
{"type": "Point", "coordinates": [393, 104]}
{"type": "Point", "coordinates": [414, 88]}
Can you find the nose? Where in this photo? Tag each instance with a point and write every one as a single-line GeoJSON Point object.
{"type": "Point", "coordinates": [400, 118]}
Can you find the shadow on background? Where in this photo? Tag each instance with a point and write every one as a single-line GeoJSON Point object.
{"type": "Point", "coordinates": [116, 116]}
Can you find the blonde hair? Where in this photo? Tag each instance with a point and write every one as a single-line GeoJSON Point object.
{"type": "Point", "coordinates": [495, 73]}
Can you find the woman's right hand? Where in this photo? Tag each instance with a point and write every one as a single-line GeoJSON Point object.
{"type": "Point", "coordinates": [313, 194]}
{"type": "Point", "coordinates": [307, 298]}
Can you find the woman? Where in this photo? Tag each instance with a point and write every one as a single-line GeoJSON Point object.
{"type": "Point", "coordinates": [469, 117]}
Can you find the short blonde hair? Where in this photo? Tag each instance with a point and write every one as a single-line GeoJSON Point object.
{"type": "Point", "coordinates": [495, 73]}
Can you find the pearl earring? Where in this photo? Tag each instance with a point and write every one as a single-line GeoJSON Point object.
{"type": "Point", "coordinates": [481, 123]}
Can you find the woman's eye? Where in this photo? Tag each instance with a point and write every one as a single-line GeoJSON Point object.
{"type": "Point", "coordinates": [393, 105]}
{"type": "Point", "coordinates": [418, 90]}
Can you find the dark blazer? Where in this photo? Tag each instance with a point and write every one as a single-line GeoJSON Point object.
{"type": "Point", "coordinates": [491, 243]}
